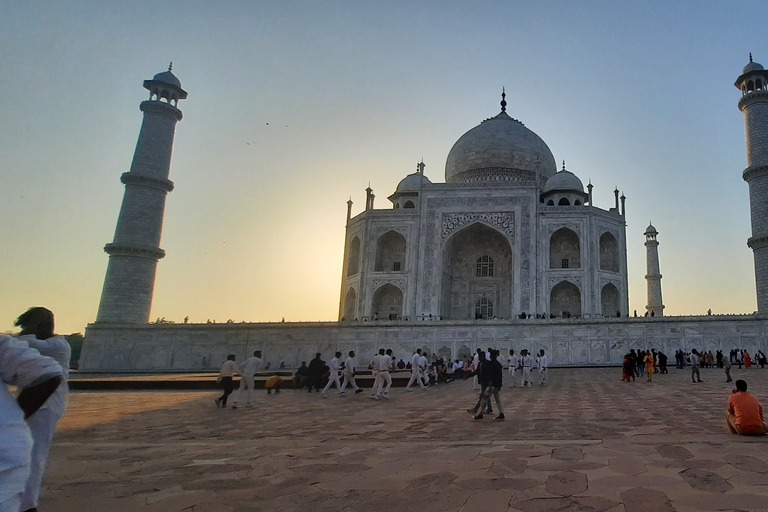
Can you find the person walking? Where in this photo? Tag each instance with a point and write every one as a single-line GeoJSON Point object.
{"type": "Point", "coordinates": [415, 371]}
{"type": "Point", "coordinates": [247, 369]}
{"type": "Point", "coordinates": [527, 364]}
{"type": "Point", "coordinates": [695, 372]}
{"type": "Point", "coordinates": [349, 374]}
{"type": "Point", "coordinates": [334, 368]}
{"type": "Point", "coordinates": [385, 379]}
{"type": "Point", "coordinates": [228, 370]}
{"type": "Point", "coordinates": [543, 364]}
{"type": "Point", "coordinates": [727, 366]}
{"type": "Point", "coordinates": [317, 369]}
{"type": "Point", "coordinates": [514, 362]}
{"type": "Point", "coordinates": [483, 379]}
{"type": "Point", "coordinates": [492, 375]}
{"type": "Point", "coordinates": [648, 360]}
{"type": "Point", "coordinates": [37, 378]}
{"type": "Point", "coordinates": [374, 366]}
{"type": "Point", "coordinates": [37, 326]}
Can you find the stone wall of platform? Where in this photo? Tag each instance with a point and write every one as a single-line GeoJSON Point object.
{"type": "Point", "coordinates": [583, 342]}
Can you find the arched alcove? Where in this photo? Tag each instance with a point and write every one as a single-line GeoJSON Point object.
{"type": "Point", "coordinates": [464, 353]}
{"type": "Point", "coordinates": [390, 252]}
{"type": "Point", "coordinates": [350, 305]}
{"type": "Point", "coordinates": [353, 258]}
{"type": "Point", "coordinates": [564, 202]}
{"type": "Point", "coordinates": [409, 204]}
{"type": "Point", "coordinates": [387, 302]}
{"type": "Point", "coordinates": [565, 297]}
{"type": "Point", "coordinates": [609, 298]}
{"type": "Point", "coordinates": [609, 252]}
{"type": "Point", "coordinates": [460, 284]}
{"type": "Point", "coordinates": [564, 249]}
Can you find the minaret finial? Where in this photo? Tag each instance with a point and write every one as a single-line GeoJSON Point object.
{"type": "Point", "coordinates": [750, 56]}
{"type": "Point", "coordinates": [503, 100]}
{"type": "Point", "coordinates": [563, 164]}
{"type": "Point", "coordinates": [170, 66]}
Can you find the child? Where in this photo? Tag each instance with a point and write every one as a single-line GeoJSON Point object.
{"type": "Point", "coordinates": [274, 382]}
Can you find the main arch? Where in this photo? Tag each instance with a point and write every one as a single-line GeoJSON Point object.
{"type": "Point", "coordinates": [476, 269]}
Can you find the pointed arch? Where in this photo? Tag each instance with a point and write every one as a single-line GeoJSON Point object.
{"type": "Point", "coordinates": [610, 300]}
{"type": "Point", "coordinates": [390, 252]}
{"type": "Point", "coordinates": [409, 204]}
{"type": "Point", "coordinates": [564, 249]}
{"type": "Point", "coordinates": [387, 302]}
{"type": "Point", "coordinates": [565, 299]}
{"type": "Point", "coordinates": [350, 304]}
{"type": "Point", "coordinates": [353, 259]}
{"type": "Point", "coordinates": [466, 275]}
{"type": "Point", "coordinates": [609, 252]}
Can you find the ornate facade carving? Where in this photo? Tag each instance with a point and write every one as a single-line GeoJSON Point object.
{"type": "Point", "coordinates": [554, 281]}
{"type": "Point", "coordinates": [491, 174]}
{"type": "Point", "coordinates": [380, 230]}
{"type": "Point", "coordinates": [378, 283]}
{"type": "Point", "coordinates": [505, 221]}
{"type": "Point", "coordinates": [573, 226]}
{"type": "Point", "coordinates": [433, 231]}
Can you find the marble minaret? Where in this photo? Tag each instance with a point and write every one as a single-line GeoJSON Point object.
{"type": "Point", "coordinates": [655, 306]}
{"type": "Point", "coordinates": [753, 84]}
{"type": "Point", "coordinates": [135, 250]}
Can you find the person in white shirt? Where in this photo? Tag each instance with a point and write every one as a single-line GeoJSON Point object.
{"type": "Point", "coordinates": [247, 369]}
{"type": "Point", "coordinates": [385, 362]}
{"type": "Point", "coordinates": [423, 364]}
{"type": "Point", "coordinates": [334, 367]}
{"type": "Point", "coordinates": [349, 374]}
{"type": "Point", "coordinates": [527, 364]}
{"type": "Point", "coordinates": [475, 364]}
{"type": "Point", "coordinates": [37, 330]}
{"type": "Point", "coordinates": [695, 372]}
{"type": "Point", "coordinates": [228, 370]}
{"type": "Point", "coordinates": [514, 366]}
{"type": "Point", "coordinates": [374, 366]}
{"type": "Point", "coordinates": [37, 377]}
{"type": "Point", "coordinates": [543, 365]}
{"type": "Point", "coordinates": [415, 372]}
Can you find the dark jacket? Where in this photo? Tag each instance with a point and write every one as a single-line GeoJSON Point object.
{"type": "Point", "coordinates": [493, 373]}
{"type": "Point", "coordinates": [316, 367]}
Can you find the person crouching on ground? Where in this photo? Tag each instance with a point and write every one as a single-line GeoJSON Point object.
{"type": "Point", "coordinates": [274, 382]}
{"type": "Point", "coordinates": [745, 414]}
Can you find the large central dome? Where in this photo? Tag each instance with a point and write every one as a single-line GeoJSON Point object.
{"type": "Point", "coordinates": [499, 149]}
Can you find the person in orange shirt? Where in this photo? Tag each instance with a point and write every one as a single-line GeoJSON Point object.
{"type": "Point", "coordinates": [747, 360]}
{"type": "Point", "coordinates": [745, 414]}
{"type": "Point", "coordinates": [649, 365]}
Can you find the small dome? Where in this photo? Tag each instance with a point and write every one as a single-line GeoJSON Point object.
{"type": "Point", "coordinates": [564, 180]}
{"type": "Point", "coordinates": [650, 230]}
{"type": "Point", "coordinates": [752, 66]}
{"type": "Point", "coordinates": [502, 146]}
{"type": "Point", "coordinates": [411, 183]}
{"type": "Point", "coordinates": [167, 77]}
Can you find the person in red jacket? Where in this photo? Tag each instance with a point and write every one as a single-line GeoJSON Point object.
{"type": "Point", "coordinates": [745, 414]}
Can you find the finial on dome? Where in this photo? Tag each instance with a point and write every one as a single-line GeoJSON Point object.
{"type": "Point", "coordinates": [750, 56]}
{"type": "Point", "coordinates": [421, 166]}
{"type": "Point", "coordinates": [503, 101]}
{"type": "Point", "coordinates": [170, 66]}
{"type": "Point", "coordinates": [563, 164]}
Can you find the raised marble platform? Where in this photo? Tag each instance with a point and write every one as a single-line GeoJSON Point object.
{"type": "Point", "coordinates": [568, 342]}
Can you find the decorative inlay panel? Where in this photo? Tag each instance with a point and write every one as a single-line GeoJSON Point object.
{"type": "Point", "coordinates": [378, 283]}
{"type": "Point", "coordinates": [502, 220]}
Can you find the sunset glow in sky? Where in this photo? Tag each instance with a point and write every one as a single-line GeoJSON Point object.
{"type": "Point", "coordinates": [296, 106]}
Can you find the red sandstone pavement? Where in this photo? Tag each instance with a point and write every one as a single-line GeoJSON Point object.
{"type": "Point", "coordinates": [586, 442]}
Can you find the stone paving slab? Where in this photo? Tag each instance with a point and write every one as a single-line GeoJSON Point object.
{"type": "Point", "coordinates": [586, 442]}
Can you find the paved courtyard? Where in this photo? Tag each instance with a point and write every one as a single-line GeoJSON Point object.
{"type": "Point", "coordinates": [586, 442]}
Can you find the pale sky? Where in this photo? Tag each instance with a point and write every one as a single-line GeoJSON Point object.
{"type": "Point", "coordinates": [637, 95]}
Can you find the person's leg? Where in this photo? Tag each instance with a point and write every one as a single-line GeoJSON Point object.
{"type": "Point", "coordinates": [354, 384]}
{"type": "Point", "coordinates": [375, 375]}
{"type": "Point", "coordinates": [414, 377]}
{"type": "Point", "coordinates": [497, 398]}
{"type": "Point", "coordinates": [42, 425]}
{"type": "Point", "coordinates": [239, 395]}
{"type": "Point", "coordinates": [388, 378]}
{"type": "Point", "coordinates": [16, 447]}
{"type": "Point", "coordinates": [228, 387]}
{"type": "Point", "coordinates": [731, 421]}
{"type": "Point", "coordinates": [328, 384]}
{"type": "Point", "coordinates": [250, 387]}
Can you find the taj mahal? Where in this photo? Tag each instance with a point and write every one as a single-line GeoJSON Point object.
{"type": "Point", "coordinates": [509, 251]}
